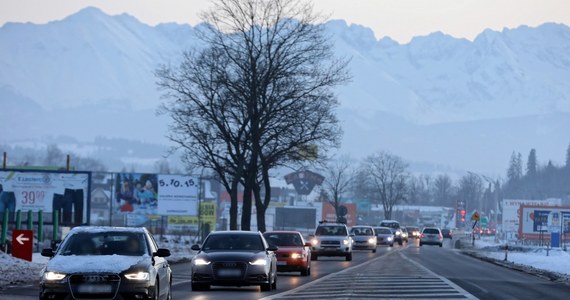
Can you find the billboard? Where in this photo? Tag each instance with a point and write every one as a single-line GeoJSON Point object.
{"type": "Point", "coordinates": [329, 213]}
{"type": "Point", "coordinates": [152, 194]}
{"type": "Point", "coordinates": [295, 217]}
{"type": "Point", "coordinates": [511, 211]}
{"type": "Point", "coordinates": [49, 191]}
{"type": "Point", "coordinates": [185, 223]}
{"type": "Point", "coordinates": [545, 219]}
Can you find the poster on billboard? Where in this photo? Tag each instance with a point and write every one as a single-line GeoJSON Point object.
{"type": "Point", "coordinates": [153, 194]}
{"type": "Point", "coordinates": [177, 195]}
{"type": "Point", "coordinates": [48, 191]}
{"type": "Point", "coordinates": [511, 211]}
{"type": "Point", "coordinates": [537, 219]}
{"type": "Point", "coordinates": [186, 223]}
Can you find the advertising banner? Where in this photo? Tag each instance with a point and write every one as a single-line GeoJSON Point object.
{"type": "Point", "coordinates": [65, 192]}
{"type": "Point", "coordinates": [177, 195]}
{"type": "Point", "coordinates": [181, 223]}
{"type": "Point", "coordinates": [546, 219]}
{"type": "Point", "coordinates": [511, 211]}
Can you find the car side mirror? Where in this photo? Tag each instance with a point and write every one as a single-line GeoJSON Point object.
{"type": "Point", "coordinates": [272, 248]}
{"type": "Point", "coordinates": [48, 252]}
{"type": "Point", "coordinates": [161, 252]}
{"type": "Point", "coordinates": [195, 247]}
{"type": "Point", "coordinates": [352, 234]}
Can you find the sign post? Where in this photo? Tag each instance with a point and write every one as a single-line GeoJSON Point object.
{"type": "Point", "coordinates": [22, 242]}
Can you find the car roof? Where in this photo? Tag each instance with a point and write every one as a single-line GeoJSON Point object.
{"type": "Point", "coordinates": [390, 221]}
{"type": "Point", "coordinates": [282, 231]}
{"type": "Point", "coordinates": [244, 232]}
{"type": "Point", "coordinates": [362, 226]}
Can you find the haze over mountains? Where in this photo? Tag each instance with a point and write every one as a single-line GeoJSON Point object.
{"type": "Point", "coordinates": [438, 99]}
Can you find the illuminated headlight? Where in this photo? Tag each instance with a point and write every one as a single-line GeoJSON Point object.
{"type": "Point", "coordinates": [398, 233]}
{"type": "Point", "coordinates": [258, 262]}
{"type": "Point", "coordinates": [296, 255]}
{"type": "Point", "coordinates": [314, 242]}
{"type": "Point", "coordinates": [371, 241]}
{"type": "Point", "coordinates": [138, 276]}
{"type": "Point", "coordinates": [346, 242]}
{"type": "Point", "coordinates": [389, 238]}
{"type": "Point", "coordinates": [53, 276]}
{"type": "Point", "coordinates": [201, 262]}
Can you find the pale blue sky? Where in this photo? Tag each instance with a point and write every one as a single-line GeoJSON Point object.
{"type": "Point", "coordinates": [399, 19]}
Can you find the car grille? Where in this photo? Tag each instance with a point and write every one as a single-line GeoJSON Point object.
{"type": "Point", "coordinates": [331, 243]}
{"type": "Point", "coordinates": [94, 286]}
{"type": "Point", "coordinates": [229, 270]}
{"type": "Point", "coordinates": [282, 255]}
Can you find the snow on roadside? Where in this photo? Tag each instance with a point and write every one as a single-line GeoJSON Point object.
{"type": "Point", "coordinates": [16, 271]}
{"type": "Point", "coordinates": [536, 257]}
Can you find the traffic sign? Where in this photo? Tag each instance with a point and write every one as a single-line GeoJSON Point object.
{"type": "Point", "coordinates": [475, 216]}
{"type": "Point", "coordinates": [484, 222]}
{"type": "Point", "coordinates": [22, 242]}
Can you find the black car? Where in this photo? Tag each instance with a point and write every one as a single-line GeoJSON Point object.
{"type": "Point", "coordinates": [234, 258]}
{"type": "Point", "coordinates": [106, 263]}
{"type": "Point", "coordinates": [447, 233]}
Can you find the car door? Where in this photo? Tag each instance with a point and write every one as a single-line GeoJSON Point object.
{"type": "Point", "coordinates": [161, 266]}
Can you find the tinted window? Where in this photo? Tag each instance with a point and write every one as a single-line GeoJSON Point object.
{"type": "Point", "coordinates": [390, 224]}
{"type": "Point", "coordinates": [431, 231]}
{"type": "Point", "coordinates": [383, 231]}
{"type": "Point", "coordinates": [105, 243]}
{"type": "Point", "coordinates": [331, 230]}
{"type": "Point", "coordinates": [224, 242]}
{"type": "Point", "coordinates": [284, 239]}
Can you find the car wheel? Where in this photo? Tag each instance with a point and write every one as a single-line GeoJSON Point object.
{"type": "Point", "coordinates": [400, 243]}
{"type": "Point", "coordinates": [274, 284]}
{"type": "Point", "coordinates": [440, 245]}
{"type": "Point", "coordinates": [156, 289]}
{"type": "Point", "coordinates": [374, 250]}
{"type": "Point", "coordinates": [421, 244]}
{"type": "Point", "coordinates": [392, 245]}
{"type": "Point", "coordinates": [314, 256]}
{"type": "Point", "coordinates": [306, 271]}
{"type": "Point", "coordinates": [349, 257]}
{"type": "Point", "coordinates": [200, 287]}
{"type": "Point", "coordinates": [265, 287]}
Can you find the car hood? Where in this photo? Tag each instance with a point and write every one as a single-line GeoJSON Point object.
{"type": "Point", "coordinates": [69, 264]}
{"type": "Point", "coordinates": [230, 255]}
{"type": "Point", "coordinates": [285, 249]}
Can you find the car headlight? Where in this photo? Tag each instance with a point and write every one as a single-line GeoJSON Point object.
{"type": "Point", "coordinates": [371, 241]}
{"type": "Point", "coordinates": [390, 238]}
{"type": "Point", "coordinates": [258, 262]}
{"type": "Point", "coordinates": [345, 242]}
{"type": "Point", "coordinates": [201, 262]}
{"type": "Point", "coordinates": [314, 242]}
{"type": "Point", "coordinates": [296, 255]}
{"type": "Point", "coordinates": [138, 276]}
{"type": "Point", "coordinates": [398, 233]}
{"type": "Point", "coordinates": [53, 276]}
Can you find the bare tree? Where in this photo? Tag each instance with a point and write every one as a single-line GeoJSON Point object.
{"type": "Point", "coordinates": [54, 156]}
{"type": "Point", "coordinates": [338, 179]}
{"type": "Point", "coordinates": [260, 89]}
{"type": "Point", "coordinates": [470, 191]}
{"type": "Point", "coordinates": [443, 190]}
{"type": "Point", "coordinates": [388, 176]}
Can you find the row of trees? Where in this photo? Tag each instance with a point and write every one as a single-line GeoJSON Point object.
{"type": "Point", "coordinates": [383, 178]}
{"type": "Point", "coordinates": [532, 180]}
{"type": "Point", "coordinates": [257, 94]}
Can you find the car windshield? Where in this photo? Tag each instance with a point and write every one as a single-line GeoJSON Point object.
{"type": "Point", "coordinates": [105, 243]}
{"type": "Point", "coordinates": [383, 231]}
{"type": "Point", "coordinates": [390, 224]}
{"type": "Point", "coordinates": [413, 229]}
{"type": "Point", "coordinates": [331, 230]}
{"type": "Point", "coordinates": [225, 242]}
{"type": "Point", "coordinates": [284, 239]}
{"type": "Point", "coordinates": [431, 231]}
{"type": "Point", "coordinates": [361, 231]}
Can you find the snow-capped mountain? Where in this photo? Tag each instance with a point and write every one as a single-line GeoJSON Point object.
{"type": "Point", "coordinates": [437, 98]}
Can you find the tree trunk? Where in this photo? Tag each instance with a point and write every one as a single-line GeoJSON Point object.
{"type": "Point", "coordinates": [260, 216]}
{"type": "Point", "coordinates": [234, 205]}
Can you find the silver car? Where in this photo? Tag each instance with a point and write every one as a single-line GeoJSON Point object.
{"type": "Point", "coordinates": [363, 238]}
{"type": "Point", "coordinates": [431, 236]}
{"type": "Point", "coordinates": [384, 236]}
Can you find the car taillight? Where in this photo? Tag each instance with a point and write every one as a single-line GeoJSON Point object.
{"type": "Point", "coordinates": [439, 236]}
{"type": "Point", "coordinates": [423, 235]}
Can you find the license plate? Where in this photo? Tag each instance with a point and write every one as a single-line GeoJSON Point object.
{"type": "Point", "coordinates": [94, 289]}
{"type": "Point", "coordinates": [229, 273]}
{"type": "Point", "coordinates": [281, 263]}
{"type": "Point", "coordinates": [431, 235]}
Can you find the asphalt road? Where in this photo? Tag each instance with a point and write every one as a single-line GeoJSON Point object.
{"type": "Point", "coordinates": [285, 281]}
{"type": "Point", "coordinates": [485, 280]}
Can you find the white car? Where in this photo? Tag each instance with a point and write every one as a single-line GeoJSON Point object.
{"type": "Point", "coordinates": [431, 236]}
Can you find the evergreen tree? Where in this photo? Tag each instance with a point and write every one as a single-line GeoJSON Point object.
{"type": "Point", "coordinates": [531, 164]}
{"type": "Point", "coordinates": [514, 168]}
